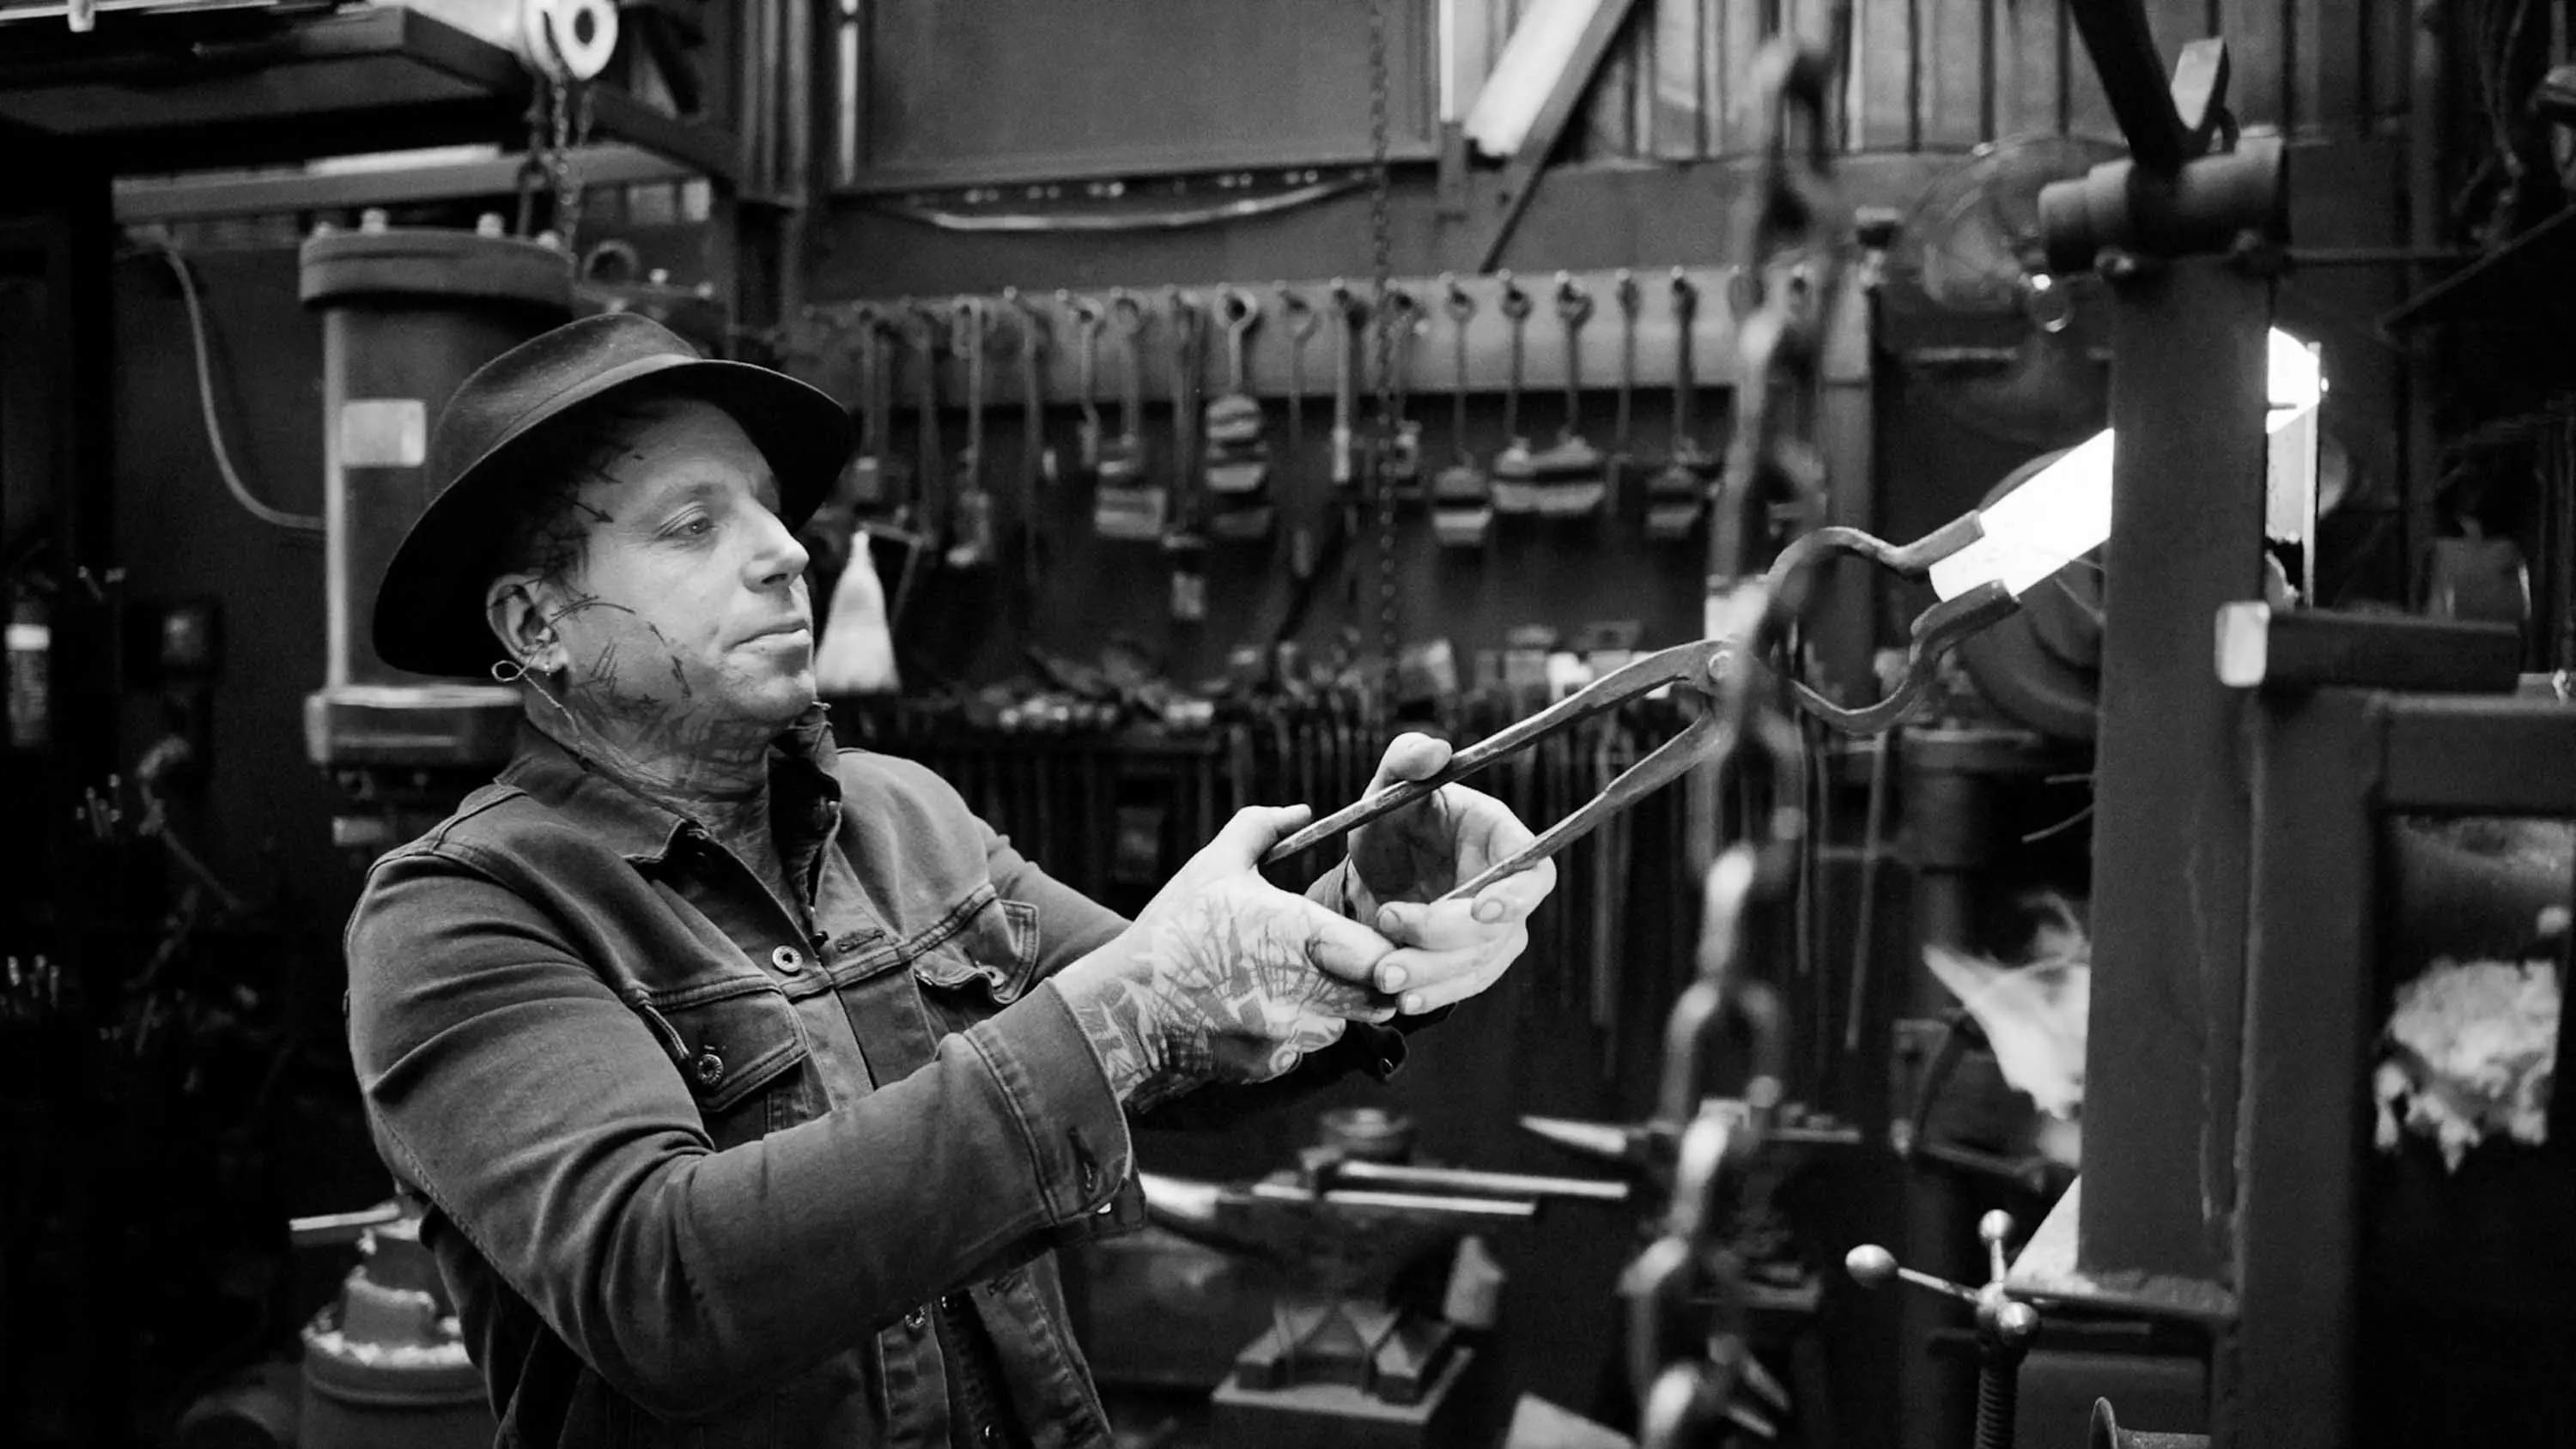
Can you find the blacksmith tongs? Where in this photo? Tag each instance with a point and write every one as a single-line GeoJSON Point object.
{"type": "Point", "coordinates": [1685, 666]}
{"type": "Point", "coordinates": [1980, 564]}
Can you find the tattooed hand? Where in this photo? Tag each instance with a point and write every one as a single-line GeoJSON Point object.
{"type": "Point", "coordinates": [1402, 862]}
{"type": "Point", "coordinates": [1223, 977]}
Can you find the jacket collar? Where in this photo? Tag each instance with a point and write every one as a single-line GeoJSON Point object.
{"type": "Point", "coordinates": [805, 789]}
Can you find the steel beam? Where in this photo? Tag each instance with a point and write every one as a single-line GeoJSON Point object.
{"type": "Point", "coordinates": [2285, 1380]}
{"type": "Point", "coordinates": [2170, 842]}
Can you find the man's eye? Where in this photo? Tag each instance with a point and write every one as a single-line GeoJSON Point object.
{"type": "Point", "coordinates": [696, 525]}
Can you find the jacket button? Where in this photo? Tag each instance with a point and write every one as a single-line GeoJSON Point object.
{"type": "Point", "coordinates": [710, 1069]}
{"type": "Point", "coordinates": [787, 959]}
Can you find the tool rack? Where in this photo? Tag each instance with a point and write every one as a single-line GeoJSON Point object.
{"type": "Point", "coordinates": [822, 344]}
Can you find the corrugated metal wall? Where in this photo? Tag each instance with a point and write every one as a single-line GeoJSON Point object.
{"type": "Point", "coordinates": [1947, 74]}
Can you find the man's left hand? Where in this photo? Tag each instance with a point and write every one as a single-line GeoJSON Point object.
{"type": "Point", "coordinates": [1401, 862]}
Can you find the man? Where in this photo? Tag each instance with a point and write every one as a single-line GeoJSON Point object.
{"type": "Point", "coordinates": [746, 1083]}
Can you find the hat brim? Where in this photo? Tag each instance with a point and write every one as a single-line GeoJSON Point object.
{"type": "Point", "coordinates": [429, 615]}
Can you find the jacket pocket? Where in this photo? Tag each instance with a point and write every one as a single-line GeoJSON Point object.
{"type": "Point", "coordinates": [988, 941]}
{"type": "Point", "coordinates": [729, 1039]}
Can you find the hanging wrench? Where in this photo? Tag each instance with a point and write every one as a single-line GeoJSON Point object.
{"type": "Point", "coordinates": [921, 332]}
{"type": "Point", "coordinates": [1462, 502]}
{"type": "Point", "coordinates": [1570, 471]}
{"type": "Point", "coordinates": [1400, 471]}
{"type": "Point", "coordinates": [1128, 504]}
{"type": "Point", "coordinates": [1037, 460]}
{"type": "Point", "coordinates": [1237, 457]}
{"type": "Point", "coordinates": [1348, 310]}
{"type": "Point", "coordinates": [1184, 544]}
{"type": "Point", "coordinates": [1304, 551]}
{"type": "Point", "coordinates": [1631, 299]}
{"type": "Point", "coordinates": [1087, 320]}
{"type": "Point", "coordinates": [1515, 473]}
{"type": "Point", "coordinates": [970, 536]}
{"type": "Point", "coordinates": [1678, 493]}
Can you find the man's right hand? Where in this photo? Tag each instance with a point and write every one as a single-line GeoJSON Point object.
{"type": "Point", "coordinates": [1224, 977]}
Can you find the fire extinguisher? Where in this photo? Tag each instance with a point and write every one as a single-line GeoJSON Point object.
{"type": "Point", "coordinates": [30, 640]}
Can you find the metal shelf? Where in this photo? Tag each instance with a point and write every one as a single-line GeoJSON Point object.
{"type": "Point", "coordinates": [242, 88]}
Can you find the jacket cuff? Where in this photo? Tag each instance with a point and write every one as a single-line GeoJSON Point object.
{"type": "Point", "coordinates": [1072, 1124]}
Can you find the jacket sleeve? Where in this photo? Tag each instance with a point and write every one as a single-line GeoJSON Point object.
{"type": "Point", "coordinates": [507, 1083]}
{"type": "Point", "coordinates": [1071, 925]}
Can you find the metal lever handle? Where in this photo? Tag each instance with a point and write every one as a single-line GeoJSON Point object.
{"type": "Point", "coordinates": [2006, 1326]}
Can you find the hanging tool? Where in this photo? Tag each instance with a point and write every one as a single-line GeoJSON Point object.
{"type": "Point", "coordinates": [1128, 504]}
{"type": "Point", "coordinates": [1348, 310]}
{"type": "Point", "coordinates": [1185, 543]}
{"type": "Point", "coordinates": [970, 532]}
{"type": "Point", "coordinates": [898, 538]}
{"type": "Point", "coordinates": [922, 331]}
{"type": "Point", "coordinates": [1304, 544]}
{"type": "Point", "coordinates": [1037, 460]}
{"type": "Point", "coordinates": [1678, 493]}
{"type": "Point", "coordinates": [1631, 299]}
{"type": "Point", "coordinates": [1087, 321]}
{"type": "Point", "coordinates": [1568, 473]}
{"type": "Point", "coordinates": [1237, 458]}
{"type": "Point", "coordinates": [1462, 497]}
{"type": "Point", "coordinates": [1515, 477]}
{"type": "Point", "coordinates": [1399, 466]}
{"type": "Point", "coordinates": [863, 483]}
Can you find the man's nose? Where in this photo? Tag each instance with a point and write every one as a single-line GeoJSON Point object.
{"type": "Point", "coordinates": [779, 558]}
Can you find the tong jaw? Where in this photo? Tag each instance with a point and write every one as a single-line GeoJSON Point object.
{"type": "Point", "coordinates": [1935, 632]}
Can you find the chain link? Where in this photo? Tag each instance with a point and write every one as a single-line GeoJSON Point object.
{"type": "Point", "coordinates": [559, 125]}
{"type": "Point", "coordinates": [1384, 319]}
{"type": "Point", "coordinates": [1685, 1293]}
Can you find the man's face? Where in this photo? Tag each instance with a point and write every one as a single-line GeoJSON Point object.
{"type": "Point", "coordinates": [678, 595]}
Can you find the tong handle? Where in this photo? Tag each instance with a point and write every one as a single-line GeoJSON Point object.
{"type": "Point", "coordinates": [1689, 665]}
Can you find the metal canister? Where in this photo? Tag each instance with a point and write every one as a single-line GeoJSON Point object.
{"type": "Point", "coordinates": [385, 1367]}
{"type": "Point", "coordinates": [407, 314]}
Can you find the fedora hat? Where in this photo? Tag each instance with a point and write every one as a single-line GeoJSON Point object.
{"type": "Point", "coordinates": [429, 610]}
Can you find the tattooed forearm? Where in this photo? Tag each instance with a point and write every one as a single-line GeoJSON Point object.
{"type": "Point", "coordinates": [1222, 988]}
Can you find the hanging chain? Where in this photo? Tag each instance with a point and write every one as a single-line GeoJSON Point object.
{"type": "Point", "coordinates": [1385, 320]}
{"type": "Point", "coordinates": [1687, 1313]}
{"type": "Point", "coordinates": [559, 124]}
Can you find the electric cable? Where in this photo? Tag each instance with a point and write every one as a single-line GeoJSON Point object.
{"type": "Point", "coordinates": [300, 522]}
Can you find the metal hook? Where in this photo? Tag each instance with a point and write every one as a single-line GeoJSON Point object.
{"type": "Point", "coordinates": [1460, 304]}
{"type": "Point", "coordinates": [1573, 303]}
{"type": "Point", "coordinates": [1302, 317]}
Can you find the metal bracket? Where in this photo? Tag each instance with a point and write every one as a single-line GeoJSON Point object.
{"type": "Point", "coordinates": [1520, 178]}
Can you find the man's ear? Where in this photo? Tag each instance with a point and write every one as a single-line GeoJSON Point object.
{"type": "Point", "coordinates": [515, 611]}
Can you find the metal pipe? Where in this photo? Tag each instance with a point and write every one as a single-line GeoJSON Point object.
{"type": "Point", "coordinates": [1499, 1184]}
{"type": "Point", "coordinates": [1411, 1202]}
{"type": "Point", "coordinates": [2424, 210]}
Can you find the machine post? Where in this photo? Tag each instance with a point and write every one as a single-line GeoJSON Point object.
{"type": "Point", "coordinates": [2169, 882]}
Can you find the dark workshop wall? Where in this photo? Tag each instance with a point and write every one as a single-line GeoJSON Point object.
{"type": "Point", "coordinates": [262, 815]}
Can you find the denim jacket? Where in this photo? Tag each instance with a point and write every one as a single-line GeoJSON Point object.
{"type": "Point", "coordinates": [704, 1167]}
